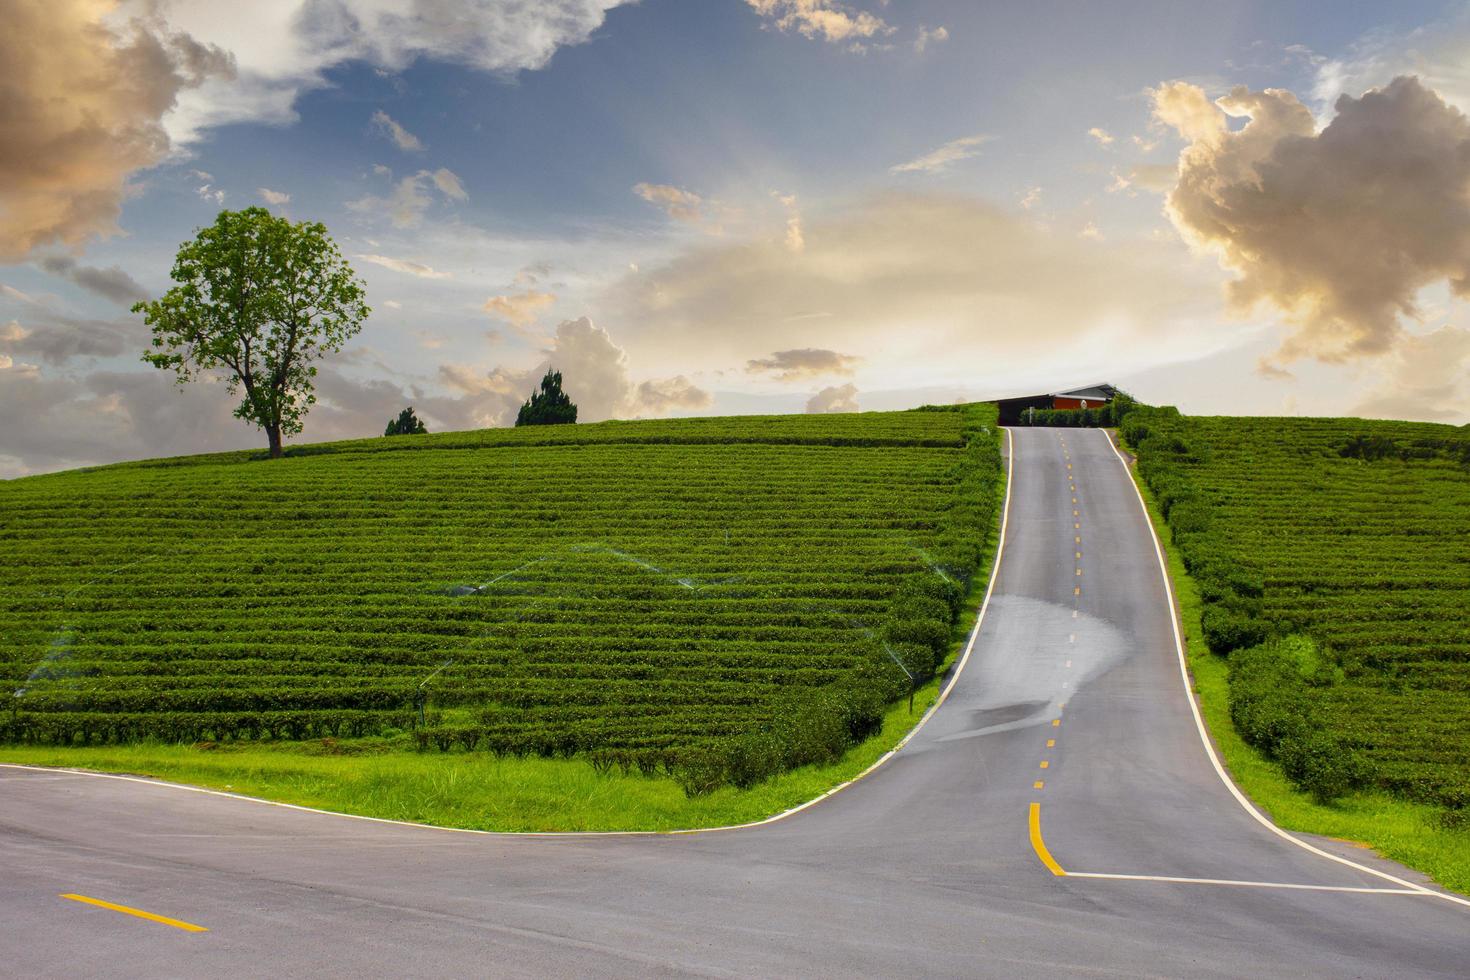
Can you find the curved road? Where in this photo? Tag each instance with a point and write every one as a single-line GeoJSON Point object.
{"type": "Point", "coordinates": [940, 863]}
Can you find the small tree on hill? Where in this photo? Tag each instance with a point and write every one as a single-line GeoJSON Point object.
{"type": "Point", "coordinates": [549, 406]}
{"type": "Point", "coordinates": [258, 299]}
{"type": "Point", "coordinates": [407, 424]}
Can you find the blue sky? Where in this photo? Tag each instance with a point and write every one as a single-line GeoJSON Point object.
{"type": "Point", "coordinates": [725, 206]}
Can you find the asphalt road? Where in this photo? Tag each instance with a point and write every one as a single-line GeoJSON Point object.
{"type": "Point", "coordinates": [1070, 707]}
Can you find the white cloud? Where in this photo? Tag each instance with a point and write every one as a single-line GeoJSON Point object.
{"type": "Point", "coordinates": [520, 310]}
{"type": "Point", "coordinates": [838, 398]}
{"type": "Point", "coordinates": [401, 137]}
{"type": "Point", "coordinates": [826, 20]}
{"type": "Point", "coordinates": [1103, 137]}
{"type": "Point", "coordinates": [1030, 199]}
{"type": "Point", "coordinates": [449, 184]}
{"type": "Point", "coordinates": [941, 159]}
{"type": "Point", "coordinates": [926, 37]}
{"type": "Point", "coordinates": [285, 47]}
{"type": "Point", "coordinates": [410, 200]}
{"type": "Point", "coordinates": [677, 203]}
{"type": "Point", "coordinates": [276, 198]}
{"type": "Point", "coordinates": [1091, 232]}
{"type": "Point", "coordinates": [405, 266]}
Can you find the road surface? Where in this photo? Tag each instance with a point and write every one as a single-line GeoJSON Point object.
{"type": "Point", "coordinates": [1067, 743]}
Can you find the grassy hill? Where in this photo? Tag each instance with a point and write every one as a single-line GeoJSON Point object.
{"type": "Point", "coordinates": [717, 599]}
{"type": "Point", "coordinates": [1333, 560]}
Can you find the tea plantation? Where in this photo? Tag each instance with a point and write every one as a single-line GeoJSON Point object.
{"type": "Point", "coordinates": [720, 599]}
{"type": "Point", "coordinates": [1333, 557]}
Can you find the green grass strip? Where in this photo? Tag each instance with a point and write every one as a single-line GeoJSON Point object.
{"type": "Point", "coordinates": [1413, 834]}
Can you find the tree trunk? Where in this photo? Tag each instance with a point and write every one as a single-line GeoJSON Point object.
{"type": "Point", "coordinates": [273, 433]}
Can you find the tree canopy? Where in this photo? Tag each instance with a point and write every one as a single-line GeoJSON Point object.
{"type": "Point", "coordinates": [407, 424]}
{"type": "Point", "coordinates": [549, 406]}
{"type": "Point", "coordinates": [259, 299]}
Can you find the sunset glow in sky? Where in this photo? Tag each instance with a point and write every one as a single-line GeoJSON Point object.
{"type": "Point", "coordinates": [737, 206]}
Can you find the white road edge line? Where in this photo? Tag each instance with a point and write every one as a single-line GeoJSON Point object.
{"type": "Point", "coordinates": [1199, 723]}
{"type": "Point", "coordinates": [1417, 892]}
{"type": "Point", "coordinates": [954, 677]}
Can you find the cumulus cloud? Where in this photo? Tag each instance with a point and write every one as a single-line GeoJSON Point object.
{"type": "Point", "coordinates": [81, 109]}
{"type": "Point", "coordinates": [595, 375]}
{"type": "Point", "coordinates": [110, 283]}
{"type": "Point", "coordinates": [1031, 198]}
{"type": "Point", "coordinates": [802, 363]}
{"type": "Point", "coordinates": [838, 398]}
{"type": "Point", "coordinates": [1337, 229]}
{"type": "Point", "coordinates": [1101, 135]}
{"type": "Point", "coordinates": [520, 310]}
{"type": "Point", "coordinates": [944, 157]}
{"type": "Point", "coordinates": [926, 37]}
{"type": "Point", "coordinates": [410, 199]}
{"type": "Point", "coordinates": [825, 20]}
{"type": "Point", "coordinates": [401, 137]}
{"type": "Point", "coordinates": [405, 266]}
{"type": "Point", "coordinates": [276, 198]}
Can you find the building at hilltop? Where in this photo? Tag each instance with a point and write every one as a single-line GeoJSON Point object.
{"type": "Point", "coordinates": [1090, 396]}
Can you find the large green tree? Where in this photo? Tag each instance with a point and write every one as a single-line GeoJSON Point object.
{"type": "Point", "coordinates": [259, 298]}
{"type": "Point", "coordinates": [549, 406]}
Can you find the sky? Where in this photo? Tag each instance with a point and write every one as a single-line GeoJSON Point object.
{"type": "Point", "coordinates": [696, 207]}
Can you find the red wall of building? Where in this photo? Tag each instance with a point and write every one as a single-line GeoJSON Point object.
{"type": "Point", "coordinates": [1076, 403]}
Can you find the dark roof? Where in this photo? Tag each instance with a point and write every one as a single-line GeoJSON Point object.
{"type": "Point", "coordinates": [1098, 392]}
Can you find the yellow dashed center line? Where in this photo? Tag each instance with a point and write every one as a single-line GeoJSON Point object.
{"type": "Point", "coordinates": [1045, 764]}
{"type": "Point", "coordinates": [1036, 785]}
{"type": "Point", "coordinates": [1056, 722]}
{"type": "Point", "coordinates": [1051, 743]}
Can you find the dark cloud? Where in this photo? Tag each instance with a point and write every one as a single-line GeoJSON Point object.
{"type": "Point", "coordinates": [802, 363]}
{"type": "Point", "coordinates": [111, 283]}
{"type": "Point", "coordinates": [57, 340]}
